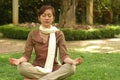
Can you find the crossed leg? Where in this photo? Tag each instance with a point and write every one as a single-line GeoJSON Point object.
{"type": "Point", "coordinates": [63, 72]}
{"type": "Point", "coordinates": [31, 73]}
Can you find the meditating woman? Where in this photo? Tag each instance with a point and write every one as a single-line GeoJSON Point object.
{"type": "Point", "coordinates": [46, 41]}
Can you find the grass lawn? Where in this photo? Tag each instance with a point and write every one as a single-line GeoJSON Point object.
{"type": "Point", "coordinates": [94, 67]}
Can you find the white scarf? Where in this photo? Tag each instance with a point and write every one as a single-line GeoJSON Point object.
{"type": "Point", "coordinates": [51, 49]}
{"type": "Point", "coordinates": [52, 29]}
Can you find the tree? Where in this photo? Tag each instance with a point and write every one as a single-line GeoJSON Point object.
{"type": "Point", "coordinates": [15, 12]}
{"type": "Point", "coordinates": [89, 11]}
{"type": "Point", "coordinates": [116, 10]}
{"type": "Point", "coordinates": [67, 13]}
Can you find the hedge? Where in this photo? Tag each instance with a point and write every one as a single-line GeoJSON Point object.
{"type": "Point", "coordinates": [16, 32]}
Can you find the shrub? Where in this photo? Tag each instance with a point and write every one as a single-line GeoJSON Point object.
{"type": "Point", "coordinates": [93, 34]}
{"type": "Point", "coordinates": [16, 32]}
{"type": "Point", "coordinates": [74, 34]}
{"type": "Point", "coordinates": [99, 33]}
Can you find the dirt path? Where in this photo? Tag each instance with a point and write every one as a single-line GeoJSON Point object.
{"type": "Point", "coordinates": [102, 46]}
{"type": "Point", "coordinates": [105, 45]}
{"type": "Point", "coordinates": [11, 45]}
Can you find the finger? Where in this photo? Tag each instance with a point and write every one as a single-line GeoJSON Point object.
{"type": "Point", "coordinates": [79, 61]}
{"type": "Point", "coordinates": [11, 59]}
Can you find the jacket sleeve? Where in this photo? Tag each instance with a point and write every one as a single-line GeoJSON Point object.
{"type": "Point", "coordinates": [28, 47]}
{"type": "Point", "coordinates": [62, 47]}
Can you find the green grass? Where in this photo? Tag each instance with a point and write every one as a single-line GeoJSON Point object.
{"type": "Point", "coordinates": [8, 72]}
{"type": "Point", "coordinates": [94, 67]}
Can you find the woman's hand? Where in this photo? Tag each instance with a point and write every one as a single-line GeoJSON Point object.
{"type": "Point", "coordinates": [77, 61]}
{"type": "Point", "coordinates": [73, 61]}
{"type": "Point", "coordinates": [14, 61]}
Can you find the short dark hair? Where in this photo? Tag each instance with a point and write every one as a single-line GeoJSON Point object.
{"type": "Point", "coordinates": [44, 8]}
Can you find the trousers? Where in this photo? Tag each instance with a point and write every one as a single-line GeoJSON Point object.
{"type": "Point", "coordinates": [27, 70]}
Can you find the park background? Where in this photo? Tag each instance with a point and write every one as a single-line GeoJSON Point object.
{"type": "Point", "coordinates": [80, 20]}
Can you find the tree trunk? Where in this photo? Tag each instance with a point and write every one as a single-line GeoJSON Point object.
{"type": "Point", "coordinates": [89, 12]}
{"type": "Point", "coordinates": [67, 18]}
{"type": "Point", "coordinates": [116, 10]}
{"type": "Point", "coordinates": [15, 11]}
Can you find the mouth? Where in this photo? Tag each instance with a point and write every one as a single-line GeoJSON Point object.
{"type": "Point", "coordinates": [46, 22]}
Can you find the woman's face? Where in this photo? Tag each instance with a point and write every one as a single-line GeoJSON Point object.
{"type": "Point", "coordinates": [46, 18]}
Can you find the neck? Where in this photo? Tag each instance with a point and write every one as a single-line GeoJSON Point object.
{"type": "Point", "coordinates": [45, 30]}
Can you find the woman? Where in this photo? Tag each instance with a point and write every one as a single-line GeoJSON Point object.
{"type": "Point", "coordinates": [46, 42]}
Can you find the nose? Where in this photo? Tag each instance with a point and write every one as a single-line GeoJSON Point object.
{"type": "Point", "coordinates": [46, 17]}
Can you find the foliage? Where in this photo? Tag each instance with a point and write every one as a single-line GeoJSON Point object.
{"type": "Point", "coordinates": [28, 10]}
{"type": "Point", "coordinates": [5, 11]}
{"type": "Point", "coordinates": [94, 67]}
{"type": "Point", "coordinates": [108, 32]}
{"type": "Point", "coordinates": [99, 33]}
{"type": "Point", "coordinates": [16, 32]}
{"type": "Point", "coordinates": [74, 34]}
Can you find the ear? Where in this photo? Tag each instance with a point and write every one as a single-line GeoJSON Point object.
{"type": "Point", "coordinates": [38, 18]}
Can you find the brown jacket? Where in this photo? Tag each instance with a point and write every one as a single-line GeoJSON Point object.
{"type": "Point", "coordinates": [35, 41]}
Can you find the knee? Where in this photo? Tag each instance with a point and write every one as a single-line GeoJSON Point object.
{"type": "Point", "coordinates": [70, 68]}
{"type": "Point", "coordinates": [22, 67]}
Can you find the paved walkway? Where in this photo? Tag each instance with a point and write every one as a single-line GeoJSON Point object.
{"type": "Point", "coordinates": [104, 45]}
